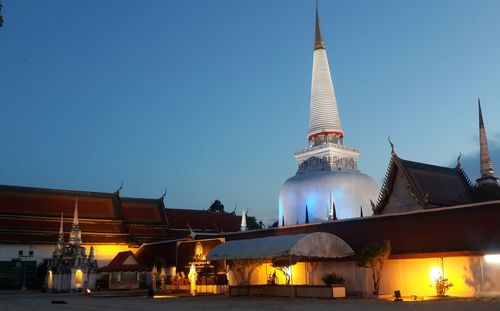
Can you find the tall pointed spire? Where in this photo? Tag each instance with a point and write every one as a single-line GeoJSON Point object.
{"type": "Point", "coordinates": [61, 226]}
{"type": "Point", "coordinates": [324, 120]}
{"type": "Point", "coordinates": [75, 213]}
{"type": "Point", "coordinates": [487, 175]}
{"type": "Point", "coordinates": [307, 215]}
{"type": "Point", "coordinates": [75, 235]}
{"type": "Point", "coordinates": [60, 238]}
{"type": "Point", "coordinates": [244, 221]}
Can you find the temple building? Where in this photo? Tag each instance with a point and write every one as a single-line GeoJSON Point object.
{"type": "Point", "coordinates": [70, 268]}
{"type": "Point", "coordinates": [30, 221]}
{"type": "Point", "coordinates": [411, 186]}
{"type": "Point", "coordinates": [328, 184]}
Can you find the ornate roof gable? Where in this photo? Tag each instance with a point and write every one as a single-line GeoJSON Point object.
{"type": "Point", "coordinates": [430, 186]}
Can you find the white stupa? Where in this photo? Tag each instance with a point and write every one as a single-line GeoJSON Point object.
{"type": "Point", "coordinates": [328, 184]}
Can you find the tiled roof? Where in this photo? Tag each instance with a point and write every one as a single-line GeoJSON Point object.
{"type": "Point", "coordinates": [203, 221]}
{"type": "Point", "coordinates": [430, 185]}
{"type": "Point", "coordinates": [142, 210]}
{"type": "Point", "coordinates": [33, 215]}
{"type": "Point", "coordinates": [119, 263]}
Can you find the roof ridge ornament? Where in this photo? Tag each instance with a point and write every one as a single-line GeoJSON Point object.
{"type": "Point", "coordinates": [391, 144]}
{"type": "Point", "coordinates": [164, 194]}
{"type": "Point", "coordinates": [119, 189]}
{"type": "Point", "coordinates": [459, 165]}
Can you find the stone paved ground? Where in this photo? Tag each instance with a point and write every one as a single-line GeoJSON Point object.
{"type": "Point", "coordinates": [20, 301]}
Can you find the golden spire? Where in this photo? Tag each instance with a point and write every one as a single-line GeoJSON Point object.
{"type": "Point", "coordinates": [318, 38]}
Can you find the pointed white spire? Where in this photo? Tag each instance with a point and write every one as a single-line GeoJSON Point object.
{"type": "Point", "coordinates": [75, 236]}
{"type": "Point", "coordinates": [75, 213]}
{"type": "Point", "coordinates": [244, 220]}
{"type": "Point", "coordinates": [324, 120]}
{"type": "Point", "coordinates": [60, 238]}
{"type": "Point", "coordinates": [330, 205]}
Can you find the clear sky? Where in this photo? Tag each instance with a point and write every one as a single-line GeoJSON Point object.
{"type": "Point", "coordinates": [211, 98]}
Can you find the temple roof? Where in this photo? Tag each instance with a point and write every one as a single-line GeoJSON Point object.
{"type": "Point", "coordinates": [184, 219]}
{"type": "Point", "coordinates": [123, 261]}
{"type": "Point", "coordinates": [430, 185]}
{"type": "Point", "coordinates": [33, 215]}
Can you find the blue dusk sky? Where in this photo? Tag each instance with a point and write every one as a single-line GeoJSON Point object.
{"type": "Point", "coordinates": [210, 99]}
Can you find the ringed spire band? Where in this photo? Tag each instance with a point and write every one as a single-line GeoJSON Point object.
{"type": "Point", "coordinates": [324, 122]}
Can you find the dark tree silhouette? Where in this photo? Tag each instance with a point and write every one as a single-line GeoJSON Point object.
{"type": "Point", "coordinates": [1, 17]}
{"type": "Point", "coordinates": [252, 223]}
{"type": "Point", "coordinates": [216, 207]}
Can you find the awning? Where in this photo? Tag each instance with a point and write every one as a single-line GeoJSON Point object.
{"type": "Point", "coordinates": [305, 246]}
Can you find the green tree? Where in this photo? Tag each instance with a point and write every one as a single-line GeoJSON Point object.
{"type": "Point", "coordinates": [216, 207]}
{"type": "Point", "coordinates": [373, 256]}
{"type": "Point", "coordinates": [252, 223]}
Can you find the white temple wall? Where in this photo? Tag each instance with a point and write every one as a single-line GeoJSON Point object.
{"type": "Point", "coordinates": [10, 252]}
{"type": "Point", "coordinates": [103, 253]}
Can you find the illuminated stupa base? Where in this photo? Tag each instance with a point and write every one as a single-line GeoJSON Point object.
{"type": "Point", "coordinates": [350, 190]}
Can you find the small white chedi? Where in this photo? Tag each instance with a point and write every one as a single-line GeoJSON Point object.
{"type": "Point", "coordinates": [328, 184]}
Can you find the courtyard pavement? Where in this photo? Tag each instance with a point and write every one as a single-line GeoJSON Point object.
{"type": "Point", "coordinates": [28, 301]}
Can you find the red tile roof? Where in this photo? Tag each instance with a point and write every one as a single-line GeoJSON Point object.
{"type": "Point", "coordinates": [32, 215]}
{"type": "Point", "coordinates": [118, 263]}
{"type": "Point", "coordinates": [203, 221]}
{"type": "Point", "coordinates": [142, 210]}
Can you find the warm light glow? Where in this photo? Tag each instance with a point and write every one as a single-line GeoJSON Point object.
{"type": "Point", "coordinates": [435, 274]}
{"type": "Point", "coordinates": [492, 258]}
{"type": "Point", "coordinates": [50, 280]}
{"type": "Point", "coordinates": [163, 296]}
{"type": "Point", "coordinates": [78, 278]}
{"type": "Point", "coordinates": [108, 251]}
{"type": "Point", "coordinates": [193, 276]}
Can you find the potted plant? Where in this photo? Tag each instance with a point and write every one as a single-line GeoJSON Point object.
{"type": "Point", "coordinates": [442, 285]}
{"type": "Point", "coordinates": [336, 282]}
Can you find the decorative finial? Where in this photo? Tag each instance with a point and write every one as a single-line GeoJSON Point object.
{"type": "Point", "coordinates": [391, 144]}
{"type": "Point", "coordinates": [164, 194]}
{"type": "Point", "coordinates": [191, 232]}
{"type": "Point", "coordinates": [458, 160]}
{"type": "Point", "coordinates": [119, 188]}
{"type": "Point", "coordinates": [318, 38]}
